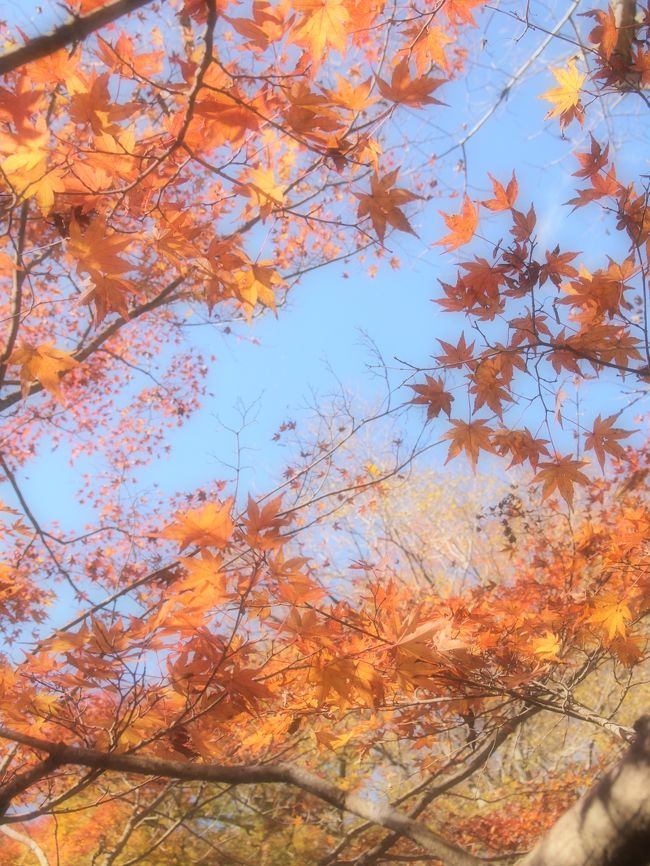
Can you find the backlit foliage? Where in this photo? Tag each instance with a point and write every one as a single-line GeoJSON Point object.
{"type": "Point", "coordinates": [192, 161]}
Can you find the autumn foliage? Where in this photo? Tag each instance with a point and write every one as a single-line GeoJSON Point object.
{"type": "Point", "coordinates": [163, 165]}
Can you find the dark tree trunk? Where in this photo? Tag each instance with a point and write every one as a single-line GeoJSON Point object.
{"type": "Point", "coordinates": [610, 825]}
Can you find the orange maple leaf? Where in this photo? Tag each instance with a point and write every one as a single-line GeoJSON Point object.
{"type": "Point", "coordinates": [383, 204]}
{"type": "Point", "coordinates": [434, 396]}
{"type": "Point", "coordinates": [462, 225]}
{"type": "Point", "coordinates": [471, 437]}
{"type": "Point", "coordinates": [323, 23]}
{"type": "Point", "coordinates": [44, 364]}
{"type": "Point", "coordinates": [355, 97]}
{"type": "Point", "coordinates": [521, 445]}
{"type": "Point", "coordinates": [409, 91]}
{"type": "Point", "coordinates": [108, 294]}
{"type": "Point", "coordinates": [209, 526]}
{"type": "Point", "coordinates": [204, 578]}
{"type": "Point", "coordinates": [460, 11]}
{"type": "Point", "coordinates": [611, 614]}
{"type": "Point", "coordinates": [26, 168]}
{"type": "Point", "coordinates": [603, 439]}
{"type": "Point", "coordinates": [504, 197]}
{"type": "Point", "coordinates": [593, 160]}
{"type": "Point", "coordinates": [455, 357]}
{"type": "Point", "coordinates": [96, 249]}
{"type": "Point", "coordinates": [489, 385]}
{"type": "Point", "coordinates": [256, 284]}
{"type": "Point", "coordinates": [294, 585]}
{"type": "Point", "coordinates": [561, 475]}
{"type": "Point", "coordinates": [263, 525]}
{"type": "Point", "coordinates": [605, 33]}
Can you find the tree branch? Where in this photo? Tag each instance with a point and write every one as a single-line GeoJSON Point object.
{"type": "Point", "coordinates": [72, 31]}
{"type": "Point", "coordinates": [102, 337]}
{"type": "Point", "coordinates": [280, 773]}
{"type": "Point", "coordinates": [372, 855]}
{"type": "Point", "coordinates": [26, 840]}
{"type": "Point", "coordinates": [23, 781]}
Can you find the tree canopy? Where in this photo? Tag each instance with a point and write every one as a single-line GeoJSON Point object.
{"type": "Point", "coordinates": [326, 672]}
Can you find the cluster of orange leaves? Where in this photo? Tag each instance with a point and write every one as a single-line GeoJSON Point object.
{"type": "Point", "coordinates": [531, 291]}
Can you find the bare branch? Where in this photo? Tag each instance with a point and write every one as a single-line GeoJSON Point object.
{"type": "Point", "coordinates": [26, 840]}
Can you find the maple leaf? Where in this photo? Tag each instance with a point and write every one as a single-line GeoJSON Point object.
{"type": "Point", "coordinates": [611, 614]}
{"type": "Point", "coordinates": [462, 225]}
{"type": "Point", "coordinates": [603, 438]}
{"type": "Point", "coordinates": [294, 586]}
{"type": "Point", "coordinates": [96, 249]}
{"type": "Point", "coordinates": [409, 91]}
{"type": "Point", "coordinates": [355, 97]}
{"type": "Point", "coordinates": [383, 204]}
{"type": "Point", "coordinates": [27, 170]}
{"type": "Point", "coordinates": [524, 223]}
{"type": "Point", "coordinates": [226, 118]}
{"type": "Point", "coordinates": [434, 396]}
{"type": "Point", "coordinates": [557, 266]}
{"type": "Point", "coordinates": [471, 437]}
{"type": "Point", "coordinates": [209, 526]}
{"type": "Point", "coordinates": [628, 650]}
{"type": "Point", "coordinates": [263, 525]}
{"type": "Point", "coordinates": [504, 198]}
{"type": "Point", "coordinates": [429, 47]}
{"type": "Point", "coordinates": [122, 58]}
{"type": "Point", "coordinates": [204, 578]}
{"type": "Point", "coordinates": [605, 33]}
{"type": "Point", "coordinates": [547, 647]}
{"type": "Point", "coordinates": [561, 475]}
{"type": "Point", "coordinates": [457, 356]}
{"type": "Point", "coordinates": [641, 66]}
{"type": "Point", "coordinates": [565, 97]}
{"type": "Point", "coordinates": [108, 294]}
{"type": "Point", "coordinates": [264, 189]}
{"type": "Point", "coordinates": [265, 27]}
{"type": "Point", "coordinates": [489, 385]}
{"type": "Point", "coordinates": [92, 104]}
{"type": "Point", "coordinates": [256, 284]}
{"type": "Point", "coordinates": [44, 364]}
{"type": "Point", "coordinates": [323, 23]}
{"type": "Point", "coordinates": [593, 160]}
{"type": "Point", "coordinates": [460, 11]}
{"type": "Point", "coordinates": [521, 445]}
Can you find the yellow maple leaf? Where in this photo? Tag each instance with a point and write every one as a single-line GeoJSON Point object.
{"type": "Point", "coordinates": [547, 647]}
{"type": "Point", "coordinates": [323, 23]}
{"type": "Point", "coordinates": [264, 189]}
{"type": "Point", "coordinates": [43, 364]}
{"type": "Point", "coordinates": [27, 171]}
{"type": "Point", "coordinates": [611, 614]}
{"type": "Point", "coordinates": [566, 97]}
{"type": "Point", "coordinates": [256, 284]}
